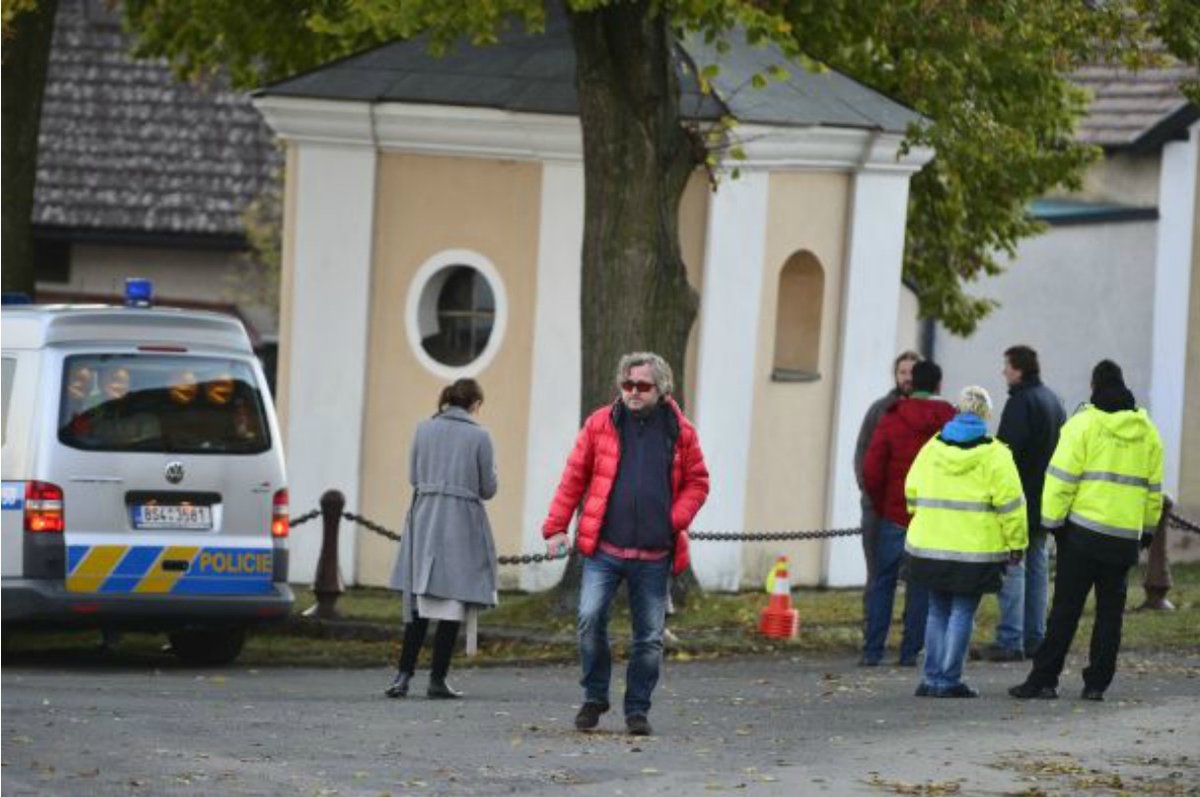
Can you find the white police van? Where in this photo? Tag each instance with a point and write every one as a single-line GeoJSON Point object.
{"type": "Point", "coordinates": [143, 475]}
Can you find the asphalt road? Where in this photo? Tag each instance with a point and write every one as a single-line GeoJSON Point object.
{"type": "Point", "coordinates": [751, 726]}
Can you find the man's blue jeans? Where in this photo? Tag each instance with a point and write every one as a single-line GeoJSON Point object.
{"type": "Point", "coordinates": [947, 635]}
{"type": "Point", "coordinates": [647, 581]}
{"type": "Point", "coordinates": [881, 596]}
{"type": "Point", "coordinates": [1023, 599]}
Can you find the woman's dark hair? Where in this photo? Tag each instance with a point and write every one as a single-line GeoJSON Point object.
{"type": "Point", "coordinates": [463, 393]}
{"type": "Point", "coordinates": [1025, 360]}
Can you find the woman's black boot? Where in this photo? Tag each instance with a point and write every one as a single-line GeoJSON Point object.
{"type": "Point", "coordinates": [399, 687]}
{"type": "Point", "coordinates": [440, 690]}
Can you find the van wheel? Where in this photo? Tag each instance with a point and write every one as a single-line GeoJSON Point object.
{"type": "Point", "coordinates": [208, 647]}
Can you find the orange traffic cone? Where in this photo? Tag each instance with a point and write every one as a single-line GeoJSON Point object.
{"type": "Point", "coordinates": [779, 620]}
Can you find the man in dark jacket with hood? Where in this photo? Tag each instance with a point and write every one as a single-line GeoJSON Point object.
{"type": "Point", "coordinates": [1029, 427]}
{"type": "Point", "coordinates": [904, 429]}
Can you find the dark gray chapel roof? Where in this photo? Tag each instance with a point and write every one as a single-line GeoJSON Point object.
{"type": "Point", "coordinates": [535, 73]}
{"type": "Point", "coordinates": [127, 150]}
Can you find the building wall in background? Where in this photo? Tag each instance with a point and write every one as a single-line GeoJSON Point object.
{"type": "Point", "coordinates": [1077, 294]}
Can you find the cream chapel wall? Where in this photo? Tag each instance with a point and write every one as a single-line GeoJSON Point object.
{"type": "Point", "coordinates": [693, 210]}
{"type": "Point", "coordinates": [790, 439]}
{"type": "Point", "coordinates": [426, 205]}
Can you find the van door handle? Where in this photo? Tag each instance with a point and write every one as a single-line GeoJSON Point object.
{"type": "Point", "coordinates": [175, 565]}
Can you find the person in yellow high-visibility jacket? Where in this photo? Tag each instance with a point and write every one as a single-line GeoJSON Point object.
{"type": "Point", "coordinates": [1103, 496]}
{"type": "Point", "coordinates": [969, 521]}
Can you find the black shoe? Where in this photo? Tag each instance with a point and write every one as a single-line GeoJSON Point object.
{"type": "Point", "coordinates": [440, 690]}
{"type": "Point", "coordinates": [865, 662]}
{"type": "Point", "coordinates": [1028, 691]}
{"type": "Point", "coordinates": [1092, 694]}
{"type": "Point", "coordinates": [958, 690]}
{"type": "Point", "coordinates": [399, 687]}
{"type": "Point", "coordinates": [994, 652]}
{"type": "Point", "coordinates": [589, 715]}
{"type": "Point", "coordinates": [907, 661]}
{"type": "Point", "coordinates": [925, 690]}
{"type": "Point", "coordinates": [637, 725]}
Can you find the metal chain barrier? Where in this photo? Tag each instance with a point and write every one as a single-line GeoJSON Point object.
{"type": "Point", "coordinates": [700, 536]}
{"type": "Point", "coordinates": [1181, 522]}
{"type": "Point", "coordinates": [771, 536]}
{"type": "Point", "coordinates": [302, 519]}
{"type": "Point", "coordinates": [370, 525]}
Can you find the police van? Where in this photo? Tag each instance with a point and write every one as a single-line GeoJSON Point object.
{"type": "Point", "coordinates": [143, 475]}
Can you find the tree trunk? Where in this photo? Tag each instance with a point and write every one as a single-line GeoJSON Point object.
{"type": "Point", "coordinates": [637, 158]}
{"type": "Point", "coordinates": [26, 54]}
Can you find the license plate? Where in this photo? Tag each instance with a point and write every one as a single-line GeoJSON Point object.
{"type": "Point", "coordinates": [171, 516]}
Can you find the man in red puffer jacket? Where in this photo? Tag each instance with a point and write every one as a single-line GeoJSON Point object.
{"type": "Point", "coordinates": [638, 468]}
{"type": "Point", "coordinates": [904, 429]}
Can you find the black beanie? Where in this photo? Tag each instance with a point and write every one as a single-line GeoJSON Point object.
{"type": "Point", "coordinates": [1108, 388]}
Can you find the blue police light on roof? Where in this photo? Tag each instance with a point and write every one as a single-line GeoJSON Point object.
{"type": "Point", "coordinates": [138, 292]}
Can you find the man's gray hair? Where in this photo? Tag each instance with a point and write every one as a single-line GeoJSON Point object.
{"type": "Point", "coordinates": [664, 379]}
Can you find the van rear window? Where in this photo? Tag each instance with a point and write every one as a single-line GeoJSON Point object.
{"type": "Point", "coordinates": [161, 403]}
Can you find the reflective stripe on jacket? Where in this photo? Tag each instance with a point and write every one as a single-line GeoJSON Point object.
{"type": "Point", "coordinates": [1106, 474]}
{"type": "Point", "coordinates": [966, 502]}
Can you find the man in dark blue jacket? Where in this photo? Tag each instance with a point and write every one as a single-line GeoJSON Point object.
{"type": "Point", "coordinates": [1029, 426]}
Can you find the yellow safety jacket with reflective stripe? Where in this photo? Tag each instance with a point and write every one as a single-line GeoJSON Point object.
{"type": "Point", "coordinates": [967, 503]}
{"type": "Point", "coordinates": [1106, 474]}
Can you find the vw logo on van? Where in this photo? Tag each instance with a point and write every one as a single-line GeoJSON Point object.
{"type": "Point", "coordinates": [174, 472]}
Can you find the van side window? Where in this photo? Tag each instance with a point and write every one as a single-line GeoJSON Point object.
{"type": "Point", "coordinates": [7, 373]}
{"type": "Point", "coordinates": [161, 403]}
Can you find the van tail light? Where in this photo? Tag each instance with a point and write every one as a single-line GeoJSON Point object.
{"type": "Point", "coordinates": [43, 507]}
{"type": "Point", "coordinates": [279, 513]}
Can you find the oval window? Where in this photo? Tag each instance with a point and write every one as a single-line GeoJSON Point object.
{"type": "Point", "coordinates": [456, 313]}
{"type": "Point", "coordinates": [465, 310]}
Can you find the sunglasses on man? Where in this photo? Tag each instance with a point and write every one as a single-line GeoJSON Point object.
{"type": "Point", "coordinates": [630, 386]}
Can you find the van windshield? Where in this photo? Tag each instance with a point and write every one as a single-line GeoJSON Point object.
{"type": "Point", "coordinates": [161, 403]}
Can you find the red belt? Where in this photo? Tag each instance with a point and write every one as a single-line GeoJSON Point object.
{"type": "Point", "coordinates": [644, 554]}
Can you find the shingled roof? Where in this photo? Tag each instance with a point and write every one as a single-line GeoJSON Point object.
{"type": "Point", "coordinates": [1137, 110]}
{"type": "Point", "coordinates": [535, 73]}
{"type": "Point", "coordinates": [127, 150]}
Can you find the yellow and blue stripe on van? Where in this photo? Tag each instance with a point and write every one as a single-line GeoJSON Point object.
{"type": "Point", "coordinates": [168, 569]}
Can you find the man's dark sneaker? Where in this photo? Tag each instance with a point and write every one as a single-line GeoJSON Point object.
{"type": "Point", "coordinates": [958, 690]}
{"type": "Point", "coordinates": [1092, 694]}
{"type": "Point", "coordinates": [994, 652]}
{"type": "Point", "coordinates": [866, 662]}
{"type": "Point", "coordinates": [907, 661]}
{"type": "Point", "coordinates": [1028, 691]}
{"type": "Point", "coordinates": [589, 715]}
{"type": "Point", "coordinates": [925, 690]}
{"type": "Point", "coordinates": [637, 725]}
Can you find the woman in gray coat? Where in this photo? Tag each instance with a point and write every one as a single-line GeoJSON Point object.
{"type": "Point", "coordinates": [447, 563]}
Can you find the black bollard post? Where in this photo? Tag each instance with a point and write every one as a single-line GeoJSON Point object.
{"type": "Point", "coordinates": [328, 584]}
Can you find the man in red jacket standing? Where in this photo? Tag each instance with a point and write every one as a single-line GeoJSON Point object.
{"type": "Point", "coordinates": [904, 429]}
{"type": "Point", "coordinates": [638, 468]}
